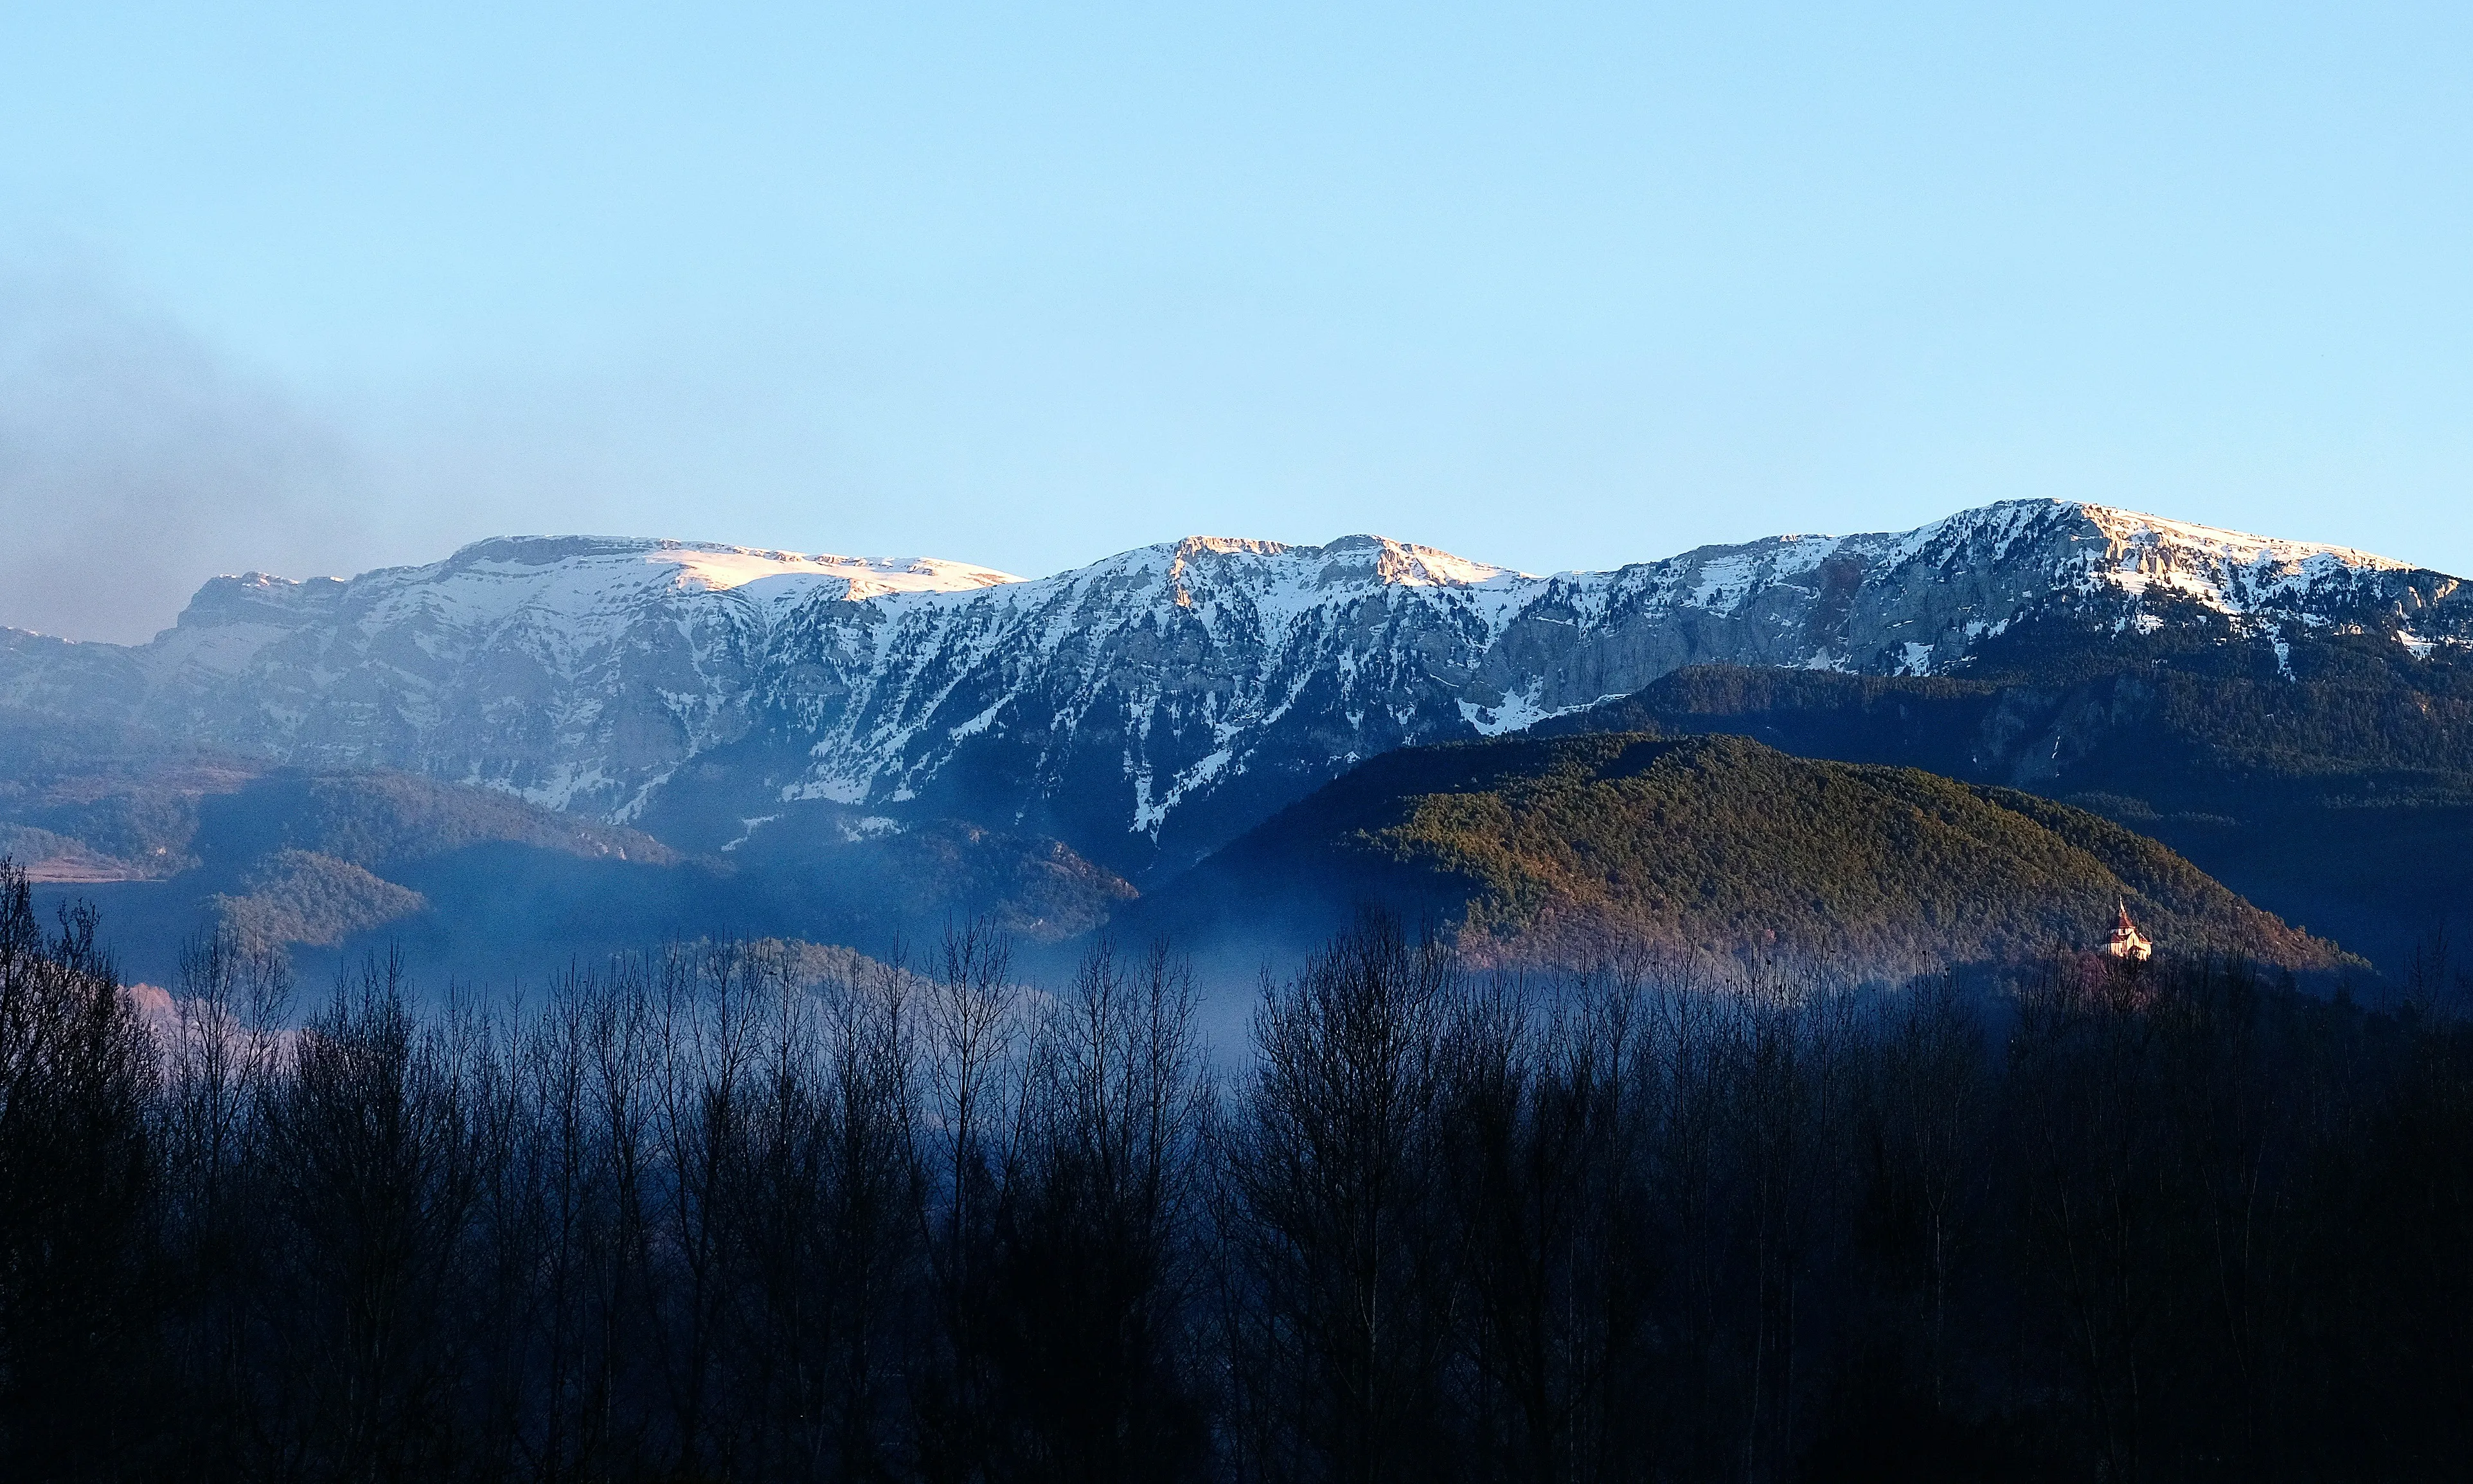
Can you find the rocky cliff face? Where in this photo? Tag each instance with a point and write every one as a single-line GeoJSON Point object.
{"type": "Point", "coordinates": [1146, 708]}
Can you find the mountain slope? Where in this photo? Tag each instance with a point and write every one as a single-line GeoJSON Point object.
{"type": "Point", "coordinates": [1555, 849]}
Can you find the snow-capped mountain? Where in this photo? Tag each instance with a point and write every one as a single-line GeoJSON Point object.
{"type": "Point", "coordinates": [1144, 707]}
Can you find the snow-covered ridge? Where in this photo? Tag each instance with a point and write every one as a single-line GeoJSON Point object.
{"type": "Point", "coordinates": [785, 576]}
{"type": "Point", "coordinates": [1206, 678]}
{"type": "Point", "coordinates": [570, 594]}
{"type": "Point", "coordinates": [1209, 656]}
{"type": "Point", "coordinates": [1208, 640]}
{"type": "Point", "coordinates": [578, 575]}
{"type": "Point", "coordinates": [2131, 529]}
{"type": "Point", "coordinates": [2230, 571]}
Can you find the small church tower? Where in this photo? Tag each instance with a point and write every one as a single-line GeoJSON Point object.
{"type": "Point", "coordinates": [2127, 942]}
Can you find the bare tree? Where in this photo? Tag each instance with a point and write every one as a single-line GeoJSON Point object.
{"type": "Point", "coordinates": [77, 1188]}
{"type": "Point", "coordinates": [1330, 1159]}
{"type": "Point", "coordinates": [373, 1165]}
{"type": "Point", "coordinates": [972, 1131]}
{"type": "Point", "coordinates": [1092, 1243]}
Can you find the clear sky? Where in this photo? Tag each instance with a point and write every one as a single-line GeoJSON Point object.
{"type": "Point", "coordinates": [315, 287]}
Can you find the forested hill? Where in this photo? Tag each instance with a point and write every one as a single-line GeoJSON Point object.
{"type": "Point", "coordinates": [1550, 849]}
{"type": "Point", "coordinates": [2334, 788]}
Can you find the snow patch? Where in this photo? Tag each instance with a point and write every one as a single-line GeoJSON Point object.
{"type": "Point", "coordinates": [1515, 712]}
{"type": "Point", "coordinates": [747, 828]}
{"type": "Point", "coordinates": [976, 724]}
{"type": "Point", "coordinates": [827, 790]}
{"type": "Point", "coordinates": [1148, 817]}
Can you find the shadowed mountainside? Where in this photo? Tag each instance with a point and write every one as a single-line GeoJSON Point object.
{"type": "Point", "coordinates": [2335, 790]}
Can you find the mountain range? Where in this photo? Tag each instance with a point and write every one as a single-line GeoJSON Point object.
{"type": "Point", "coordinates": [867, 742]}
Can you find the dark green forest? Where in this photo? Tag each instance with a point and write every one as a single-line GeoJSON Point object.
{"type": "Point", "coordinates": [735, 1212]}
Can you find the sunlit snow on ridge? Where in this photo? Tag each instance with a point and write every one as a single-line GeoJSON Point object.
{"type": "Point", "coordinates": [2232, 571]}
{"type": "Point", "coordinates": [780, 576]}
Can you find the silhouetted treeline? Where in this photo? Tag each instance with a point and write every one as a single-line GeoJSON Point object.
{"type": "Point", "coordinates": [696, 1218]}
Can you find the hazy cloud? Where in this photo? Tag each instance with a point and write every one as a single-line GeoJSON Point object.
{"type": "Point", "coordinates": [135, 463]}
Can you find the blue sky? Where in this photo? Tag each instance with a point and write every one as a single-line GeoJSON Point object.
{"type": "Point", "coordinates": [317, 287]}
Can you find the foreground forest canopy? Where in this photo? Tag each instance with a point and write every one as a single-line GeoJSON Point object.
{"type": "Point", "coordinates": [729, 1212]}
